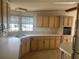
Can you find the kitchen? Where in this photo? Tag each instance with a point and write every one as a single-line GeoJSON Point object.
{"type": "Point", "coordinates": [45, 32]}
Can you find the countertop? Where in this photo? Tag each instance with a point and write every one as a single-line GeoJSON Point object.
{"type": "Point", "coordinates": [31, 35]}
{"type": "Point", "coordinates": [67, 48]}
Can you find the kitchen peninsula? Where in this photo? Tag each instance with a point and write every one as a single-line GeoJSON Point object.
{"type": "Point", "coordinates": [15, 48]}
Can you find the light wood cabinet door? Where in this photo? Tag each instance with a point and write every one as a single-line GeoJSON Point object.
{"type": "Point", "coordinates": [39, 21]}
{"type": "Point", "coordinates": [65, 18]}
{"type": "Point", "coordinates": [45, 21]}
{"type": "Point", "coordinates": [23, 47]}
{"type": "Point", "coordinates": [51, 22]}
{"type": "Point", "coordinates": [40, 44]}
{"type": "Point", "coordinates": [68, 21]}
{"type": "Point", "coordinates": [46, 43]}
{"type": "Point", "coordinates": [52, 42]}
{"type": "Point", "coordinates": [57, 41]}
{"type": "Point", "coordinates": [33, 44]}
{"type": "Point", "coordinates": [57, 21]}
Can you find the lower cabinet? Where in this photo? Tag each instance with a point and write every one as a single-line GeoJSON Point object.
{"type": "Point", "coordinates": [52, 43]}
{"type": "Point", "coordinates": [39, 43]}
{"type": "Point", "coordinates": [24, 49]}
{"type": "Point", "coordinates": [33, 43]}
{"type": "Point", "coordinates": [46, 44]}
{"type": "Point", "coordinates": [42, 43]}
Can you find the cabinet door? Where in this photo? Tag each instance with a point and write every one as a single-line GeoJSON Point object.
{"type": "Point", "coordinates": [39, 21]}
{"type": "Point", "coordinates": [65, 21]}
{"type": "Point", "coordinates": [23, 47]}
{"type": "Point", "coordinates": [45, 21]}
{"type": "Point", "coordinates": [52, 42]}
{"type": "Point", "coordinates": [51, 22]}
{"type": "Point", "coordinates": [40, 44]}
{"type": "Point", "coordinates": [57, 21]}
{"type": "Point", "coordinates": [33, 44]}
{"type": "Point", "coordinates": [46, 43]}
{"type": "Point", "coordinates": [70, 21]}
{"type": "Point", "coordinates": [57, 41]}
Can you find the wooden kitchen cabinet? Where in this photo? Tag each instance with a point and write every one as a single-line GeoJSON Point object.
{"type": "Point", "coordinates": [52, 43]}
{"type": "Point", "coordinates": [57, 41]}
{"type": "Point", "coordinates": [45, 21]}
{"type": "Point", "coordinates": [65, 18]}
{"type": "Point", "coordinates": [39, 21]}
{"type": "Point", "coordinates": [67, 39]}
{"type": "Point", "coordinates": [57, 21]}
{"type": "Point", "coordinates": [40, 44]}
{"type": "Point", "coordinates": [23, 48]}
{"type": "Point", "coordinates": [68, 21]}
{"type": "Point", "coordinates": [46, 43]}
{"type": "Point", "coordinates": [34, 44]}
{"type": "Point", "coordinates": [51, 22]}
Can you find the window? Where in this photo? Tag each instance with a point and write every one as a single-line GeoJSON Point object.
{"type": "Point", "coordinates": [27, 23]}
{"type": "Point", "coordinates": [13, 23]}
{"type": "Point", "coordinates": [21, 23]}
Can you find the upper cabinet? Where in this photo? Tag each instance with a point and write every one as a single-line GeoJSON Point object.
{"type": "Point", "coordinates": [68, 21]}
{"type": "Point", "coordinates": [54, 21]}
{"type": "Point", "coordinates": [51, 22]}
{"type": "Point", "coordinates": [45, 21]}
{"type": "Point", "coordinates": [57, 21]}
{"type": "Point", "coordinates": [39, 21]}
{"type": "Point", "coordinates": [48, 21]}
{"type": "Point", "coordinates": [42, 21]}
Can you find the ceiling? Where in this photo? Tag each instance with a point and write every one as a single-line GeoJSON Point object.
{"type": "Point", "coordinates": [37, 5]}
